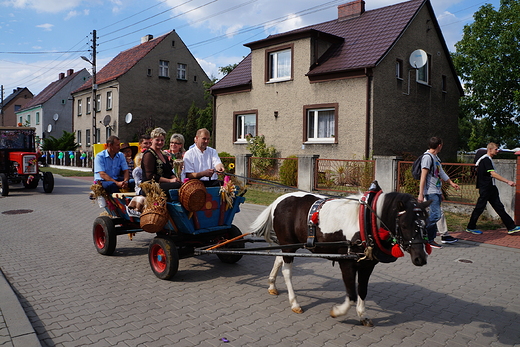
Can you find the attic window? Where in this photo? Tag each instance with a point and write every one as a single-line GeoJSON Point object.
{"type": "Point", "coordinates": [149, 73]}
{"type": "Point", "coordinates": [163, 68]}
{"type": "Point", "coordinates": [181, 71]}
{"type": "Point", "coordinates": [279, 64]}
{"type": "Point", "coordinates": [423, 73]}
{"type": "Point", "coordinates": [173, 43]}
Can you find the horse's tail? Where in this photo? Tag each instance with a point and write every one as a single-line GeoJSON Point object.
{"type": "Point", "coordinates": [263, 225]}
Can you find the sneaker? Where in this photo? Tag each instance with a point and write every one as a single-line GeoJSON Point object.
{"type": "Point", "coordinates": [434, 244]}
{"type": "Point", "coordinates": [515, 230]}
{"type": "Point", "coordinates": [448, 239]}
{"type": "Point", "coordinates": [474, 231]}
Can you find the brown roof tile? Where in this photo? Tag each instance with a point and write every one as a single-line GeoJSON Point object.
{"type": "Point", "coordinates": [123, 62]}
{"type": "Point", "coordinates": [241, 75]}
{"type": "Point", "coordinates": [366, 40]}
{"type": "Point", "coordinates": [50, 90]}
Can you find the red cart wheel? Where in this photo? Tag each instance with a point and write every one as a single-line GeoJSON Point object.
{"type": "Point", "coordinates": [163, 257]}
{"type": "Point", "coordinates": [104, 235]}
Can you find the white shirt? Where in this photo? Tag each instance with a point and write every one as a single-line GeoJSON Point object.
{"type": "Point", "coordinates": [196, 161]}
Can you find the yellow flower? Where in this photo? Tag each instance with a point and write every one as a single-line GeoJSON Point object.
{"type": "Point", "coordinates": [231, 166]}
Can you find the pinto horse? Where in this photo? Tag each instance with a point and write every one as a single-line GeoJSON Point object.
{"type": "Point", "coordinates": [399, 223]}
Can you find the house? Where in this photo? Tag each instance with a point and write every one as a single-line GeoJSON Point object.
{"type": "Point", "coordinates": [13, 103]}
{"type": "Point", "coordinates": [143, 87]}
{"type": "Point", "coordinates": [345, 89]}
{"type": "Point", "coordinates": [50, 112]}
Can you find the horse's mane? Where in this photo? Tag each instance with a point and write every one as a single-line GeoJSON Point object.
{"type": "Point", "coordinates": [389, 209]}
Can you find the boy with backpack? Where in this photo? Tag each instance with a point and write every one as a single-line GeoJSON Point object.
{"type": "Point", "coordinates": [430, 188]}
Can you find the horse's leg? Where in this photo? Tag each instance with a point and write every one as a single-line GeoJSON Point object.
{"type": "Point", "coordinates": [278, 262]}
{"type": "Point", "coordinates": [363, 277]}
{"type": "Point", "coordinates": [287, 275]}
{"type": "Point", "coordinates": [348, 272]}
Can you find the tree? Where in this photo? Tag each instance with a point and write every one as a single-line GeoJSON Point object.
{"type": "Point", "coordinates": [227, 69]}
{"type": "Point", "coordinates": [487, 60]}
{"type": "Point", "coordinates": [67, 142]}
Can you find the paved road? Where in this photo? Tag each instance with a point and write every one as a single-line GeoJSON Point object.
{"type": "Point", "coordinates": [467, 295]}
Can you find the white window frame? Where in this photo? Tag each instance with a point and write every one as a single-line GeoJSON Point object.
{"type": "Point", "coordinates": [89, 104]}
{"type": "Point", "coordinates": [80, 105]}
{"type": "Point", "coordinates": [28, 119]}
{"type": "Point", "coordinates": [164, 68]}
{"type": "Point", "coordinates": [37, 120]}
{"type": "Point", "coordinates": [98, 102]}
{"type": "Point", "coordinates": [423, 73]}
{"type": "Point", "coordinates": [182, 71]}
{"type": "Point", "coordinates": [315, 114]}
{"type": "Point", "coordinates": [87, 138]}
{"type": "Point", "coordinates": [109, 100]}
{"type": "Point", "coordinates": [78, 137]}
{"type": "Point", "coordinates": [240, 128]}
{"type": "Point", "coordinates": [277, 72]}
{"type": "Point", "coordinates": [399, 68]}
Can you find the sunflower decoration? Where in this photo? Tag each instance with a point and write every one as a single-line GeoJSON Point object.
{"type": "Point", "coordinates": [231, 166]}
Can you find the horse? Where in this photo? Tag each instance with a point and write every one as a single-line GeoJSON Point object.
{"type": "Point", "coordinates": [365, 232]}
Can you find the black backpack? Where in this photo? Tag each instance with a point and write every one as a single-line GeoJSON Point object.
{"type": "Point", "coordinates": [416, 167]}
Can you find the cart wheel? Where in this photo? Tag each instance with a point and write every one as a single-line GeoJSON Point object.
{"type": "Point", "coordinates": [48, 182]}
{"type": "Point", "coordinates": [232, 258]}
{"type": "Point", "coordinates": [4, 185]}
{"type": "Point", "coordinates": [31, 185]}
{"type": "Point", "coordinates": [104, 234]}
{"type": "Point", "coordinates": [163, 257]}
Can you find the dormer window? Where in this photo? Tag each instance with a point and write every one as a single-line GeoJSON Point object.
{"type": "Point", "coordinates": [279, 64]}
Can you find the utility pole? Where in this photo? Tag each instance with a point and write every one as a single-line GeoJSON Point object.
{"type": "Point", "coordinates": [94, 85]}
{"type": "Point", "coordinates": [2, 103]}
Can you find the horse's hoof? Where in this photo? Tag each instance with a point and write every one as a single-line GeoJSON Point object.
{"type": "Point", "coordinates": [297, 310]}
{"type": "Point", "coordinates": [367, 322]}
{"type": "Point", "coordinates": [273, 292]}
{"type": "Point", "coordinates": [332, 314]}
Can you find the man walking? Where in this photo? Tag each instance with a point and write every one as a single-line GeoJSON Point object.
{"type": "Point", "coordinates": [430, 188]}
{"type": "Point", "coordinates": [486, 176]}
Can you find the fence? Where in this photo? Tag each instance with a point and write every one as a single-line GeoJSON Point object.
{"type": "Point", "coordinates": [279, 170]}
{"type": "Point", "coordinates": [67, 158]}
{"type": "Point", "coordinates": [344, 175]}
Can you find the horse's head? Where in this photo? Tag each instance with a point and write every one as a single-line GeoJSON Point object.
{"type": "Point", "coordinates": [411, 233]}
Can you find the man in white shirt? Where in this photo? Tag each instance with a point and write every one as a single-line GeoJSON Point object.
{"type": "Point", "coordinates": [202, 162]}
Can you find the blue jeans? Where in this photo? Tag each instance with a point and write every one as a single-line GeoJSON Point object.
{"type": "Point", "coordinates": [435, 214]}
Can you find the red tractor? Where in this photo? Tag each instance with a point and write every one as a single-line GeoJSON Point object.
{"type": "Point", "coordinates": [19, 160]}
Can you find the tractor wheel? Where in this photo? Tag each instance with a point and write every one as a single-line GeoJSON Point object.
{"type": "Point", "coordinates": [48, 182]}
{"type": "Point", "coordinates": [31, 185]}
{"type": "Point", "coordinates": [4, 185]}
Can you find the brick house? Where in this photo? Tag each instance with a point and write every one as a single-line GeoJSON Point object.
{"type": "Point", "coordinates": [13, 103]}
{"type": "Point", "coordinates": [344, 89]}
{"type": "Point", "coordinates": [144, 86]}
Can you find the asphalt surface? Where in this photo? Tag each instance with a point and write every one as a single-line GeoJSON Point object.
{"type": "Point", "coordinates": [56, 290]}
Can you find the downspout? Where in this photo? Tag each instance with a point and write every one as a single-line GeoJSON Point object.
{"type": "Point", "coordinates": [368, 73]}
{"type": "Point", "coordinates": [214, 121]}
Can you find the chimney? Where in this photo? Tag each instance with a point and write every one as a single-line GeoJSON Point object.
{"type": "Point", "coordinates": [146, 38]}
{"type": "Point", "coordinates": [61, 76]}
{"type": "Point", "coordinates": [70, 72]}
{"type": "Point", "coordinates": [351, 9]}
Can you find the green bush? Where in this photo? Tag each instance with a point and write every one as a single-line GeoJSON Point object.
{"type": "Point", "coordinates": [228, 161]}
{"type": "Point", "coordinates": [289, 171]}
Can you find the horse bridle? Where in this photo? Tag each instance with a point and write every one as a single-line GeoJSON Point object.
{"type": "Point", "coordinates": [419, 235]}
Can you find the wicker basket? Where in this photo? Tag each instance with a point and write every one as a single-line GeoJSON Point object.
{"type": "Point", "coordinates": [192, 195]}
{"type": "Point", "coordinates": [153, 219]}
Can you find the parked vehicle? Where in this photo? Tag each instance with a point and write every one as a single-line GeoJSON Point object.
{"type": "Point", "coordinates": [19, 160]}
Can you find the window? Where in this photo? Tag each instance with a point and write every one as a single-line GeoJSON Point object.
{"type": "Point", "coordinates": [245, 124]}
{"type": "Point", "coordinates": [79, 107]}
{"type": "Point", "coordinates": [78, 137]}
{"type": "Point", "coordinates": [17, 108]}
{"type": "Point", "coordinates": [320, 123]}
{"type": "Point", "coordinates": [149, 73]}
{"type": "Point", "coordinates": [88, 105]}
{"type": "Point", "coordinates": [28, 119]}
{"type": "Point", "coordinates": [87, 137]}
{"type": "Point", "coordinates": [163, 68]}
{"type": "Point", "coordinates": [20, 120]}
{"type": "Point", "coordinates": [37, 118]}
{"type": "Point", "coordinates": [98, 135]}
{"type": "Point", "coordinates": [423, 73]}
{"type": "Point", "coordinates": [98, 102]}
{"type": "Point", "coordinates": [279, 65]}
{"type": "Point", "coordinates": [399, 68]}
{"type": "Point", "coordinates": [109, 100]}
{"type": "Point", "coordinates": [181, 71]}
{"type": "Point", "coordinates": [108, 132]}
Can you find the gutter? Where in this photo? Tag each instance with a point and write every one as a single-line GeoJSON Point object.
{"type": "Point", "coordinates": [368, 73]}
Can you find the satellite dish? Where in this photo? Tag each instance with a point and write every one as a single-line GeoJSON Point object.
{"type": "Point", "coordinates": [49, 128]}
{"type": "Point", "coordinates": [55, 117]}
{"type": "Point", "coordinates": [418, 58]}
{"type": "Point", "coordinates": [128, 118]}
{"type": "Point", "coordinates": [106, 120]}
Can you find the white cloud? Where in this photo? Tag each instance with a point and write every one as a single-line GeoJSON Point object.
{"type": "Point", "coordinates": [71, 14]}
{"type": "Point", "coordinates": [52, 6]}
{"type": "Point", "coordinates": [46, 26]}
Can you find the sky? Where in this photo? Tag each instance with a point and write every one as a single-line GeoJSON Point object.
{"type": "Point", "coordinates": [41, 38]}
